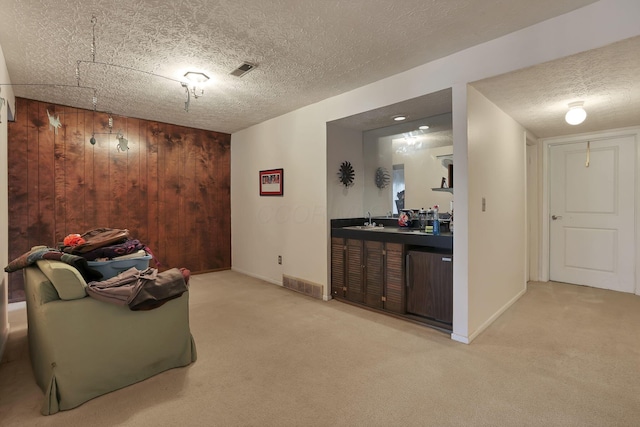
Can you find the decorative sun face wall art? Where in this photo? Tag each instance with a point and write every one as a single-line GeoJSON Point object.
{"type": "Point", "coordinates": [382, 177]}
{"type": "Point", "coordinates": [346, 174]}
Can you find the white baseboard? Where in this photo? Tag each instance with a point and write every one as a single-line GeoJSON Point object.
{"type": "Point", "coordinates": [257, 276]}
{"type": "Point", "coordinates": [266, 279]}
{"type": "Point", "coordinates": [20, 305]}
{"type": "Point", "coordinates": [485, 325]}
{"type": "Point", "coordinates": [460, 338]}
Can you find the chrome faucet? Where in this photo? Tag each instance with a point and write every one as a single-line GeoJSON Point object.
{"type": "Point", "coordinates": [369, 215]}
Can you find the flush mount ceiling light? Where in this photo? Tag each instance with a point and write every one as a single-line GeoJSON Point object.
{"type": "Point", "coordinates": [576, 113]}
{"type": "Point", "coordinates": [423, 127]}
{"type": "Point", "coordinates": [399, 118]}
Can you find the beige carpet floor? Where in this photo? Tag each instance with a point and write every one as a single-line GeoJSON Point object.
{"type": "Point", "coordinates": [563, 355]}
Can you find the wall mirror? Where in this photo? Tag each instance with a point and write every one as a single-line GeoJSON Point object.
{"type": "Point", "coordinates": [419, 153]}
{"type": "Point", "coordinates": [413, 157]}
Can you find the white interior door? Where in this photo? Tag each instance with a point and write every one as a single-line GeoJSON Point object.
{"type": "Point", "coordinates": [592, 213]}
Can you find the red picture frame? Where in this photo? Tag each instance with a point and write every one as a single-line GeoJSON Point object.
{"type": "Point", "coordinates": [272, 182]}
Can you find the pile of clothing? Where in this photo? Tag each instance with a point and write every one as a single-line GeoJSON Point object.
{"type": "Point", "coordinates": [138, 289]}
{"type": "Point", "coordinates": [102, 244]}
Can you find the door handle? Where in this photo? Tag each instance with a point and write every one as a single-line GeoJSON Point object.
{"type": "Point", "coordinates": [555, 217]}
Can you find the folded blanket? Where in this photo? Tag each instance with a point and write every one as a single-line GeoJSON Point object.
{"type": "Point", "coordinates": [123, 248]}
{"type": "Point", "coordinates": [44, 252]}
{"type": "Point", "coordinates": [141, 289]}
{"type": "Point", "coordinates": [27, 258]}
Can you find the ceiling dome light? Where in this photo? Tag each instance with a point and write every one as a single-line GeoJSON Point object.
{"type": "Point", "coordinates": [576, 113]}
{"type": "Point", "coordinates": [423, 127]}
{"type": "Point", "coordinates": [399, 118]}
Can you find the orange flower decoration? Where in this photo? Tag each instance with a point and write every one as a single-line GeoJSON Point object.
{"type": "Point", "coordinates": [73, 240]}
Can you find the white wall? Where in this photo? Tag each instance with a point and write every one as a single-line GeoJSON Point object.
{"type": "Point", "coordinates": [9, 104]}
{"type": "Point", "coordinates": [294, 225]}
{"type": "Point", "coordinates": [297, 141]}
{"type": "Point", "coordinates": [344, 145]}
{"type": "Point", "coordinates": [497, 234]}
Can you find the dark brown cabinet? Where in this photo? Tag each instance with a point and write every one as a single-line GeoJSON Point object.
{"type": "Point", "coordinates": [394, 278]}
{"type": "Point", "coordinates": [368, 272]}
{"type": "Point", "coordinates": [373, 267]}
{"type": "Point", "coordinates": [430, 285]}
{"type": "Point", "coordinates": [338, 267]}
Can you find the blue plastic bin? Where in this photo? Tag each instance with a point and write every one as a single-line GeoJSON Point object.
{"type": "Point", "coordinates": [114, 267]}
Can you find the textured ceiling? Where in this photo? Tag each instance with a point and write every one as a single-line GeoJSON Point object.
{"type": "Point", "coordinates": [306, 50]}
{"type": "Point", "coordinates": [607, 80]}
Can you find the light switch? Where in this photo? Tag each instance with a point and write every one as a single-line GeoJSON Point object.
{"type": "Point", "coordinates": [484, 204]}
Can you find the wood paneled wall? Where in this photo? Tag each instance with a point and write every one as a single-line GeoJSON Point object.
{"type": "Point", "coordinates": [171, 189]}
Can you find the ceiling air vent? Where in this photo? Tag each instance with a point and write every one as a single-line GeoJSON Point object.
{"type": "Point", "coordinates": [243, 69]}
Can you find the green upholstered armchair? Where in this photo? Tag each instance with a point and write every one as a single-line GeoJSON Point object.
{"type": "Point", "coordinates": [82, 348]}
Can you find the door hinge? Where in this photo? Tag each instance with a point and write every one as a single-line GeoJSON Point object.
{"type": "Point", "coordinates": [384, 299]}
{"type": "Point", "coordinates": [384, 252]}
{"type": "Point", "coordinates": [344, 288]}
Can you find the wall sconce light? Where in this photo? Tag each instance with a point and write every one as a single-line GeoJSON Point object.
{"type": "Point", "coordinates": [576, 113]}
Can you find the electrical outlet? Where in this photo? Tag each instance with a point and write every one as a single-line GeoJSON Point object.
{"type": "Point", "coordinates": [280, 259]}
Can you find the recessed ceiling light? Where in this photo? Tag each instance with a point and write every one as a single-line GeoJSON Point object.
{"type": "Point", "coordinates": [399, 118]}
{"type": "Point", "coordinates": [423, 127]}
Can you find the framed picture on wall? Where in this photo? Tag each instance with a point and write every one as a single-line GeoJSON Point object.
{"type": "Point", "coordinates": [272, 182]}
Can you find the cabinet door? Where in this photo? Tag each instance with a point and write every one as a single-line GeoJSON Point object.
{"type": "Point", "coordinates": [338, 255]}
{"type": "Point", "coordinates": [442, 281]}
{"type": "Point", "coordinates": [355, 267]}
{"type": "Point", "coordinates": [374, 273]}
{"type": "Point", "coordinates": [419, 298]}
{"type": "Point", "coordinates": [394, 277]}
{"type": "Point", "coordinates": [430, 285]}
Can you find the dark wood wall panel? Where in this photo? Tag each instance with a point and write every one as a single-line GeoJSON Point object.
{"type": "Point", "coordinates": [171, 189]}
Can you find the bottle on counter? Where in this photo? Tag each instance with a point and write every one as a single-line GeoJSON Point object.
{"type": "Point", "coordinates": [436, 221]}
{"type": "Point", "coordinates": [428, 227]}
{"type": "Point", "coordinates": [422, 216]}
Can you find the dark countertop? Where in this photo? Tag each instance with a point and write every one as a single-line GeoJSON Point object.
{"type": "Point", "coordinates": [391, 233]}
